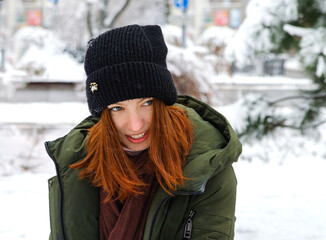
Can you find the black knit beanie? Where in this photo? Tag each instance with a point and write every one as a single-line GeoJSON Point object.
{"type": "Point", "coordinates": [127, 63]}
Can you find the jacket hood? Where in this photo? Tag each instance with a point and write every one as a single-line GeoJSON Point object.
{"type": "Point", "coordinates": [71, 147]}
{"type": "Point", "coordinates": [215, 146]}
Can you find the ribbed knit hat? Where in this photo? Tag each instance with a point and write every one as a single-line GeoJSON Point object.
{"type": "Point", "coordinates": [127, 63]}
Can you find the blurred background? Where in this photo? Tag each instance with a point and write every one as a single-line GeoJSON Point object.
{"type": "Point", "coordinates": [262, 64]}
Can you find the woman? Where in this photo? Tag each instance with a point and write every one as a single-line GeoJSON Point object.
{"type": "Point", "coordinates": [147, 164]}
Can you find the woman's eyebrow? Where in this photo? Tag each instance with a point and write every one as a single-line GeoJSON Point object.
{"type": "Point", "coordinates": [116, 104]}
{"type": "Point", "coordinates": [146, 99]}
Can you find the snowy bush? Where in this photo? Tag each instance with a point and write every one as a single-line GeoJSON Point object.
{"type": "Point", "coordinates": [261, 31]}
{"type": "Point", "coordinates": [39, 53]}
{"type": "Point", "coordinates": [216, 39]}
{"type": "Point", "coordinates": [262, 116]}
{"type": "Point", "coordinates": [192, 75]}
{"type": "Point", "coordinates": [277, 26]}
{"type": "Point", "coordinates": [17, 160]}
{"type": "Point", "coordinates": [253, 116]}
{"type": "Point", "coordinates": [194, 67]}
{"type": "Point", "coordinates": [173, 36]}
{"type": "Point", "coordinates": [312, 47]}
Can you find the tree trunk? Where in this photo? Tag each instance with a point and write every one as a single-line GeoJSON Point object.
{"type": "Point", "coordinates": [98, 19]}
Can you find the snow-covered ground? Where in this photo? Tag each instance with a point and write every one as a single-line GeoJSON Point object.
{"type": "Point", "coordinates": [24, 207]}
{"type": "Point", "coordinates": [281, 201]}
{"type": "Point", "coordinates": [280, 179]}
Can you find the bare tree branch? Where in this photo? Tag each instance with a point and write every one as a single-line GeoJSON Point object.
{"type": "Point", "coordinates": [117, 15]}
{"type": "Point", "coordinates": [317, 124]}
{"type": "Point", "coordinates": [89, 20]}
{"type": "Point", "coordinates": [103, 13]}
{"type": "Point", "coordinates": [100, 17]}
{"type": "Point", "coordinates": [273, 125]}
{"type": "Point", "coordinates": [317, 96]}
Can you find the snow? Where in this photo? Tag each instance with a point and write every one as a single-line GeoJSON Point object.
{"type": "Point", "coordinates": [281, 193]}
{"type": "Point", "coordinates": [173, 35]}
{"type": "Point", "coordinates": [255, 33]}
{"type": "Point", "coordinates": [292, 63]}
{"type": "Point", "coordinates": [262, 80]}
{"type": "Point", "coordinates": [321, 67]}
{"type": "Point", "coordinates": [313, 46]}
{"type": "Point", "coordinates": [56, 113]}
{"type": "Point", "coordinates": [321, 4]}
{"type": "Point", "coordinates": [191, 62]}
{"type": "Point", "coordinates": [260, 33]}
{"type": "Point", "coordinates": [281, 201]}
{"type": "Point", "coordinates": [216, 37]}
{"type": "Point", "coordinates": [298, 31]}
{"type": "Point", "coordinates": [59, 66]}
{"type": "Point", "coordinates": [188, 58]}
{"type": "Point", "coordinates": [42, 55]}
{"type": "Point", "coordinates": [24, 207]}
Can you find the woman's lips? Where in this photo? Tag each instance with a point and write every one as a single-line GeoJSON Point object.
{"type": "Point", "coordinates": [138, 138]}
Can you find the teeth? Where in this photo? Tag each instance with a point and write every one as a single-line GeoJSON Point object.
{"type": "Point", "coordinates": [138, 136]}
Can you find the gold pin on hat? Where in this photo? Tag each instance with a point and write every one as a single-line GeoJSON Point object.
{"type": "Point", "coordinates": [93, 86]}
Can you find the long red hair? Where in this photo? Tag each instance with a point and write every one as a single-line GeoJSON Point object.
{"type": "Point", "coordinates": [107, 165]}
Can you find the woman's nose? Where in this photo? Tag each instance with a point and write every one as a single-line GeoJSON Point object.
{"type": "Point", "coordinates": [135, 122]}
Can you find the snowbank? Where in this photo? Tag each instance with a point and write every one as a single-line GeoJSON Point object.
{"type": "Point", "coordinates": [42, 56]}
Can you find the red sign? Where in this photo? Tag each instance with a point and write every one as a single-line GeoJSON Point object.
{"type": "Point", "coordinates": [34, 18]}
{"type": "Point", "coordinates": [222, 18]}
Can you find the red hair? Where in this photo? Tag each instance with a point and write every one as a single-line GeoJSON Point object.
{"type": "Point", "coordinates": [107, 165]}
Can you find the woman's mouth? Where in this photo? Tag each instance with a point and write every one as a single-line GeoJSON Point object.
{"type": "Point", "coordinates": [138, 138]}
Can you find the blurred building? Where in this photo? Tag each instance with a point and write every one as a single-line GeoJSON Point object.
{"type": "Point", "coordinates": [229, 13]}
{"type": "Point", "coordinates": [201, 14]}
{"type": "Point", "coordinates": [18, 13]}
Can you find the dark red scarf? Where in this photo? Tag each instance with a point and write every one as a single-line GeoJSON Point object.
{"type": "Point", "coordinates": [127, 221]}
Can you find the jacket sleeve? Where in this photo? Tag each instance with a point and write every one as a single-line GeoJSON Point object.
{"type": "Point", "coordinates": [215, 208]}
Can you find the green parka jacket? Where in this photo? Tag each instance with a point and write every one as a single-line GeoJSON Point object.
{"type": "Point", "coordinates": [202, 209]}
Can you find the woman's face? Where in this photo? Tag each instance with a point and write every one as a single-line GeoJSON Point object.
{"type": "Point", "coordinates": [132, 119]}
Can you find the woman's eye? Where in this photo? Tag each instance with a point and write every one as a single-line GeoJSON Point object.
{"type": "Point", "coordinates": [115, 109]}
{"type": "Point", "coordinates": [148, 103]}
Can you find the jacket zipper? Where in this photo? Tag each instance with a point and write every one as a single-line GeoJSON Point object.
{"type": "Point", "coordinates": [60, 192]}
{"type": "Point", "coordinates": [162, 203]}
{"type": "Point", "coordinates": [188, 227]}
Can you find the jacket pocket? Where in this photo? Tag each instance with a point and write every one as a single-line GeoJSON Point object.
{"type": "Point", "coordinates": [207, 226]}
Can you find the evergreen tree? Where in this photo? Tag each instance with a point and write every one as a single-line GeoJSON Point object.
{"type": "Point", "coordinates": [283, 26]}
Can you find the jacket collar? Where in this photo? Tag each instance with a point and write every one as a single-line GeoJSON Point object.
{"type": "Point", "coordinates": [215, 146]}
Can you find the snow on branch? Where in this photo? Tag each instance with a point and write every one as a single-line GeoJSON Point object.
{"type": "Point", "coordinates": [296, 31]}
{"type": "Point", "coordinates": [312, 46]}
